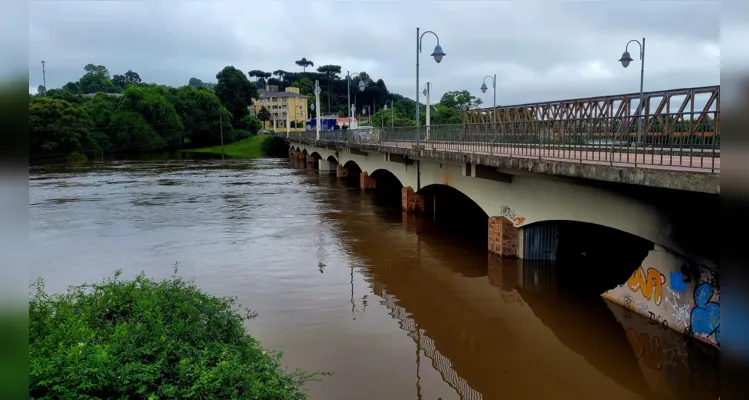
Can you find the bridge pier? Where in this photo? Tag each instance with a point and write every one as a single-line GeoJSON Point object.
{"type": "Point", "coordinates": [503, 237]}
{"type": "Point", "coordinates": [411, 202]}
{"type": "Point", "coordinates": [311, 162]}
{"type": "Point", "coordinates": [366, 182]}
{"type": "Point", "coordinates": [341, 172]}
{"type": "Point", "coordinates": [326, 167]}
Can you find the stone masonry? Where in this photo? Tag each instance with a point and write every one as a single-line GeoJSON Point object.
{"type": "Point", "coordinates": [311, 162]}
{"type": "Point", "coordinates": [503, 237]}
{"type": "Point", "coordinates": [411, 202]}
{"type": "Point", "coordinates": [366, 182]}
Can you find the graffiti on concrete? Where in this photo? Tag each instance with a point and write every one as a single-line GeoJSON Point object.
{"type": "Point", "coordinates": [677, 282]}
{"type": "Point", "coordinates": [650, 284]}
{"type": "Point", "coordinates": [680, 312]}
{"type": "Point", "coordinates": [657, 320]}
{"type": "Point", "coordinates": [705, 316]}
{"type": "Point", "coordinates": [645, 348]}
{"type": "Point", "coordinates": [509, 213]}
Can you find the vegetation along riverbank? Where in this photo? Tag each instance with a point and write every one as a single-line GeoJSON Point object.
{"type": "Point", "coordinates": [255, 146]}
{"type": "Point", "coordinates": [149, 339]}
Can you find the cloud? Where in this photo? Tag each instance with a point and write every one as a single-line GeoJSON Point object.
{"type": "Point", "coordinates": [540, 51]}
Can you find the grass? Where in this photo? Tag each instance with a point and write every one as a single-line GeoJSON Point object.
{"type": "Point", "coordinates": [254, 147]}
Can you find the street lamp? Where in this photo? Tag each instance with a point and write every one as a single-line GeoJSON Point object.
{"type": "Point", "coordinates": [317, 109]}
{"type": "Point", "coordinates": [437, 54]}
{"type": "Point", "coordinates": [392, 112]}
{"type": "Point", "coordinates": [625, 60]}
{"type": "Point", "coordinates": [483, 90]}
{"type": "Point", "coordinates": [348, 91]}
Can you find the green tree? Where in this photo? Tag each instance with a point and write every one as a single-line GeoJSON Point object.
{"type": "Point", "coordinates": [254, 124]}
{"type": "Point", "coordinates": [304, 63]}
{"type": "Point", "coordinates": [331, 71]}
{"type": "Point", "coordinates": [58, 127]}
{"type": "Point", "coordinates": [195, 82]}
{"type": "Point", "coordinates": [460, 101]}
{"type": "Point", "coordinates": [305, 85]}
{"type": "Point", "coordinates": [264, 114]}
{"type": "Point", "coordinates": [235, 91]}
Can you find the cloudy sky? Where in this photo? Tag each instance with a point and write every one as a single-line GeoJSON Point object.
{"type": "Point", "coordinates": [540, 51]}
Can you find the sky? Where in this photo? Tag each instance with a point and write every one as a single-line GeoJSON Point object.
{"type": "Point", "coordinates": [539, 50]}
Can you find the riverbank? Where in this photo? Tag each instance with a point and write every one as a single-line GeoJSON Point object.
{"type": "Point", "coordinates": [257, 146]}
{"type": "Point", "coordinates": [149, 339]}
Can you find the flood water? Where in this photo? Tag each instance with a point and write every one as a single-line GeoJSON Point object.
{"type": "Point", "coordinates": [393, 306]}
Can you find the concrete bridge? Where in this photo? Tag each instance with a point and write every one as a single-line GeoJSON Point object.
{"type": "Point", "coordinates": [544, 195]}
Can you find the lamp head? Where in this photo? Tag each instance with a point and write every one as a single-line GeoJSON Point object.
{"type": "Point", "coordinates": [385, 107]}
{"type": "Point", "coordinates": [424, 92]}
{"type": "Point", "coordinates": [626, 59]}
{"type": "Point", "coordinates": [483, 87]}
{"type": "Point", "coordinates": [438, 53]}
{"type": "Point", "coordinates": [361, 86]}
{"type": "Point", "coordinates": [317, 90]}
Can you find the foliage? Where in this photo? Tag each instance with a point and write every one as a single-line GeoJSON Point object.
{"type": "Point", "coordinates": [235, 91]}
{"type": "Point", "coordinates": [264, 114]}
{"type": "Point", "coordinates": [331, 71]}
{"type": "Point", "coordinates": [58, 126]}
{"type": "Point", "coordinates": [304, 63]}
{"type": "Point", "coordinates": [460, 101]}
{"type": "Point", "coordinates": [253, 124]}
{"type": "Point", "coordinates": [195, 82]}
{"type": "Point", "coordinates": [149, 339]}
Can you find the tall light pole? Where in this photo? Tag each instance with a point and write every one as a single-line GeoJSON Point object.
{"type": "Point", "coordinates": [392, 111]}
{"type": "Point", "coordinates": [317, 109]}
{"type": "Point", "coordinates": [483, 90]}
{"type": "Point", "coordinates": [625, 60]}
{"type": "Point", "coordinates": [427, 92]}
{"type": "Point", "coordinates": [348, 92]}
{"type": "Point", "coordinates": [44, 78]}
{"type": "Point", "coordinates": [437, 54]}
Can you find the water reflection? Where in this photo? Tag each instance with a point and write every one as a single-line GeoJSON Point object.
{"type": "Point", "coordinates": [343, 281]}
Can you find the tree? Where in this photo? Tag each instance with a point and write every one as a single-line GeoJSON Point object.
{"type": "Point", "coordinates": [279, 73]}
{"type": "Point", "coordinates": [306, 86]}
{"type": "Point", "coordinates": [331, 71]}
{"type": "Point", "coordinates": [195, 82]}
{"type": "Point", "coordinates": [235, 91]}
{"type": "Point", "coordinates": [132, 77]}
{"type": "Point", "coordinates": [256, 73]}
{"type": "Point", "coordinates": [304, 63]}
{"type": "Point", "coordinates": [57, 127]}
{"type": "Point", "coordinates": [263, 114]}
{"type": "Point", "coordinates": [460, 101]}
{"type": "Point", "coordinates": [41, 90]}
{"type": "Point", "coordinates": [254, 124]}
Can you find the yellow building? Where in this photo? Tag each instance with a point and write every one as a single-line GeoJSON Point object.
{"type": "Point", "coordinates": [282, 105]}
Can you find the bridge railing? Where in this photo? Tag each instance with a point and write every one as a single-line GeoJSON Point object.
{"type": "Point", "coordinates": [681, 140]}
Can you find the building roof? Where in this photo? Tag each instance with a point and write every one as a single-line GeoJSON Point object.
{"type": "Point", "coordinates": [265, 93]}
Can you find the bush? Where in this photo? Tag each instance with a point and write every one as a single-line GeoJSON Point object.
{"type": "Point", "coordinates": [148, 339]}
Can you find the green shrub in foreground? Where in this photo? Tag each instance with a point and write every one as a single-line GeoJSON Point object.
{"type": "Point", "coordinates": [148, 339]}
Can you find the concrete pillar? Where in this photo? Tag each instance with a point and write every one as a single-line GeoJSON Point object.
{"type": "Point", "coordinates": [326, 167]}
{"type": "Point", "coordinates": [503, 237]}
{"type": "Point", "coordinates": [366, 182]}
{"type": "Point", "coordinates": [291, 152]}
{"type": "Point", "coordinates": [341, 172]}
{"type": "Point", "coordinates": [311, 162]}
{"type": "Point", "coordinates": [411, 202]}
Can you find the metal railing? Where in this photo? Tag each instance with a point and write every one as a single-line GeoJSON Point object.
{"type": "Point", "coordinates": [675, 141]}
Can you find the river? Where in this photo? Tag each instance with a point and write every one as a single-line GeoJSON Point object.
{"type": "Point", "coordinates": [394, 306]}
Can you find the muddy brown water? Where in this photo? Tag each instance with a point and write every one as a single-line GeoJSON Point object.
{"type": "Point", "coordinates": [394, 306]}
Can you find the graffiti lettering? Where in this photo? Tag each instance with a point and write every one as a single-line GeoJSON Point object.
{"type": "Point", "coordinates": [509, 213]}
{"type": "Point", "coordinates": [628, 303]}
{"type": "Point", "coordinates": [705, 316]}
{"type": "Point", "coordinates": [650, 284]}
{"type": "Point", "coordinates": [646, 349]}
{"type": "Point", "coordinates": [519, 220]}
{"type": "Point", "coordinates": [677, 283]}
{"type": "Point", "coordinates": [657, 320]}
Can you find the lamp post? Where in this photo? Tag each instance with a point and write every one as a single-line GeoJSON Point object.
{"type": "Point", "coordinates": [352, 111]}
{"type": "Point", "coordinates": [625, 60]}
{"type": "Point", "coordinates": [437, 54]}
{"type": "Point", "coordinates": [348, 92]}
{"type": "Point", "coordinates": [483, 90]}
{"type": "Point", "coordinates": [317, 109]}
{"type": "Point", "coordinates": [392, 112]}
{"type": "Point", "coordinates": [367, 111]}
{"type": "Point", "coordinates": [427, 91]}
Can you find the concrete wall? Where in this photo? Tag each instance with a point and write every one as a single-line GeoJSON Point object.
{"type": "Point", "coordinates": [673, 293]}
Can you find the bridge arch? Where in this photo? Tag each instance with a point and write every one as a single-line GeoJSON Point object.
{"type": "Point", "coordinates": [453, 209]}
{"type": "Point", "coordinates": [353, 168]}
{"type": "Point", "coordinates": [332, 158]}
{"type": "Point", "coordinates": [386, 179]}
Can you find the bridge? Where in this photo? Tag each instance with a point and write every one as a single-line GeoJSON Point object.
{"type": "Point", "coordinates": [546, 175]}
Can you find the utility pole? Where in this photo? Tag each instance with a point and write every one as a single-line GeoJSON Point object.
{"type": "Point", "coordinates": [221, 127]}
{"type": "Point", "coordinates": [44, 78]}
